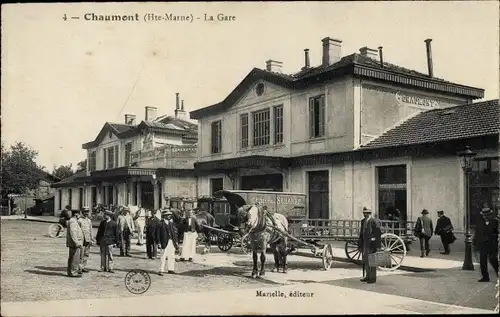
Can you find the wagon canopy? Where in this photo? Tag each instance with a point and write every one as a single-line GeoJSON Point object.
{"type": "Point", "coordinates": [232, 198]}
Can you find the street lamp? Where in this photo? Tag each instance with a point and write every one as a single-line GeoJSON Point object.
{"type": "Point", "coordinates": [466, 160]}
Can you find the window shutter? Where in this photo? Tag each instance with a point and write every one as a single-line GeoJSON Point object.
{"type": "Point", "coordinates": [116, 156]}
{"type": "Point", "coordinates": [321, 124]}
{"type": "Point", "coordinates": [311, 117]}
{"type": "Point", "coordinates": [105, 159]}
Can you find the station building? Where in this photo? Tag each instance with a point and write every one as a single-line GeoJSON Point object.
{"type": "Point", "coordinates": [353, 131]}
{"type": "Point", "coordinates": [135, 163]}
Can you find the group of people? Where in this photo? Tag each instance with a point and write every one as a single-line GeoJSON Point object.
{"type": "Point", "coordinates": [161, 232]}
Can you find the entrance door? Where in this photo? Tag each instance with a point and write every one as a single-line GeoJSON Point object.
{"type": "Point", "coordinates": [270, 182]}
{"type": "Point", "coordinates": [80, 198]}
{"type": "Point", "coordinates": [319, 195]}
{"type": "Point", "coordinates": [392, 191]}
{"type": "Point", "coordinates": [147, 195]}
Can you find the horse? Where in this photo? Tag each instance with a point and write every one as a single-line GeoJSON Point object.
{"type": "Point", "coordinates": [262, 229]}
{"type": "Point", "coordinates": [204, 220]}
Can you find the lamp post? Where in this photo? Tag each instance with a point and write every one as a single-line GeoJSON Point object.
{"type": "Point", "coordinates": [466, 160]}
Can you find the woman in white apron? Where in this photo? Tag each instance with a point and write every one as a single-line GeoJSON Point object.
{"type": "Point", "coordinates": [140, 222]}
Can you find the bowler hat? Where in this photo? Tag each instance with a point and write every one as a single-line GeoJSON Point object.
{"type": "Point", "coordinates": [366, 210]}
{"type": "Point", "coordinates": [425, 212]}
{"type": "Point", "coordinates": [486, 211]}
{"type": "Point", "coordinates": [440, 212]}
{"type": "Point", "coordinates": [166, 213]}
{"type": "Point", "coordinates": [85, 209]}
{"type": "Point", "coordinates": [108, 212]}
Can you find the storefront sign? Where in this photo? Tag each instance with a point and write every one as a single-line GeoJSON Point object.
{"type": "Point", "coordinates": [416, 100]}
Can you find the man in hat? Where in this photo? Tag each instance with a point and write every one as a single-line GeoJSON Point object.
{"type": "Point", "coordinates": [152, 227]}
{"type": "Point", "coordinates": [86, 224]}
{"type": "Point", "coordinates": [369, 242]}
{"type": "Point", "coordinates": [108, 234]}
{"type": "Point", "coordinates": [191, 228]}
{"type": "Point", "coordinates": [63, 218]}
{"type": "Point", "coordinates": [444, 229]}
{"type": "Point", "coordinates": [74, 241]}
{"type": "Point", "coordinates": [126, 226]}
{"type": "Point", "coordinates": [423, 230]}
{"type": "Point", "coordinates": [486, 240]}
{"type": "Point", "coordinates": [168, 239]}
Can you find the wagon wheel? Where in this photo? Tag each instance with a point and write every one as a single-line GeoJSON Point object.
{"type": "Point", "coordinates": [396, 248]}
{"type": "Point", "coordinates": [353, 252]}
{"type": "Point", "coordinates": [53, 228]}
{"type": "Point", "coordinates": [327, 256]}
{"type": "Point", "coordinates": [224, 241]}
{"type": "Point", "coordinates": [245, 244]}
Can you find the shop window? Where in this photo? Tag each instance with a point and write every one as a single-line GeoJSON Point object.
{"type": "Point", "coordinates": [392, 192]}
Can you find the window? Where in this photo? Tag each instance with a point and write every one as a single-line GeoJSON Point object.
{"type": "Point", "coordinates": [128, 151]}
{"type": "Point", "coordinates": [244, 130]}
{"type": "Point", "coordinates": [261, 127]}
{"type": "Point", "coordinates": [111, 157]}
{"type": "Point", "coordinates": [104, 158]}
{"type": "Point", "coordinates": [60, 199]}
{"type": "Point", "coordinates": [70, 197]}
{"type": "Point", "coordinates": [317, 116]}
{"type": "Point", "coordinates": [392, 191]}
{"type": "Point", "coordinates": [278, 124]}
{"type": "Point", "coordinates": [216, 184]}
{"type": "Point", "coordinates": [92, 161]}
{"type": "Point", "coordinates": [216, 137]}
{"type": "Point", "coordinates": [116, 152]}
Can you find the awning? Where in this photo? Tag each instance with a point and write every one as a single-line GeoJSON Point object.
{"type": "Point", "coordinates": [231, 197]}
{"type": "Point", "coordinates": [251, 162]}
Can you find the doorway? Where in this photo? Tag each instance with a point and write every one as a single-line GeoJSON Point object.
{"type": "Point", "coordinates": [147, 195]}
{"type": "Point", "coordinates": [392, 194]}
{"type": "Point", "coordinates": [319, 194]}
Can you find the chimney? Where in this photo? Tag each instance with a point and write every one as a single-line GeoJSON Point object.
{"type": "Point", "coordinates": [307, 64]}
{"type": "Point", "coordinates": [130, 119]}
{"type": "Point", "coordinates": [369, 52]}
{"type": "Point", "coordinates": [332, 51]}
{"type": "Point", "coordinates": [180, 113]}
{"type": "Point", "coordinates": [381, 56]}
{"type": "Point", "coordinates": [273, 66]}
{"type": "Point", "coordinates": [429, 57]}
{"type": "Point", "coordinates": [176, 100]}
{"type": "Point", "coordinates": [150, 113]}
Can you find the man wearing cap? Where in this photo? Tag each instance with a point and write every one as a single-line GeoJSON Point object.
{"type": "Point", "coordinates": [444, 229]}
{"type": "Point", "coordinates": [152, 227]}
{"type": "Point", "coordinates": [190, 235]}
{"type": "Point", "coordinates": [369, 242]}
{"type": "Point", "coordinates": [486, 240]}
{"type": "Point", "coordinates": [86, 225]}
{"type": "Point", "coordinates": [126, 226]}
{"type": "Point", "coordinates": [423, 230]}
{"type": "Point", "coordinates": [168, 239]}
{"type": "Point", "coordinates": [74, 241]}
{"type": "Point", "coordinates": [108, 234]}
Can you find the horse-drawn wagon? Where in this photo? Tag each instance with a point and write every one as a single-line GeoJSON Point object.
{"type": "Point", "coordinates": [320, 234]}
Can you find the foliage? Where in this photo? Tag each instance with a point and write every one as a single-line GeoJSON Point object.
{"type": "Point", "coordinates": [81, 166]}
{"type": "Point", "coordinates": [63, 171]}
{"type": "Point", "coordinates": [20, 173]}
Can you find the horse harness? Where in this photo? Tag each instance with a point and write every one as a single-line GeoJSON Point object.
{"type": "Point", "coordinates": [261, 225]}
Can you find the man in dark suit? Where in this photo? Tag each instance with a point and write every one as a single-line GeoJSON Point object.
{"type": "Point", "coordinates": [108, 235]}
{"type": "Point", "coordinates": [168, 239]}
{"type": "Point", "coordinates": [486, 240]}
{"type": "Point", "coordinates": [369, 242]}
{"type": "Point", "coordinates": [152, 227]}
{"type": "Point", "coordinates": [444, 229]}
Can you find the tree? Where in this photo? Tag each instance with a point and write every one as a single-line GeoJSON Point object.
{"type": "Point", "coordinates": [81, 166]}
{"type": "Point", "coordinates": [63, 171]}
{"type": "Point", "coordinates": [20, 173]}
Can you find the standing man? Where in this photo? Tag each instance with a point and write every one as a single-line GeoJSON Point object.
{"type": "Point", "coordinates": [63, 218]}
{"type": "Point", "coordinates": [152, 227]}
{"type": "Point", "coordinates": [126, 226]}
{"type": "Point", "coordinates": [423, 230]}
{"type": "Point", "coordinates": [140, 221]}
{"type": "Point", "coordinates": [190, 236]}
{"type": "Point", "coordinates": [86, 225]}
{"type": "Point", "coordinates": [168, 240]}
{"type": "Point", "coordinates": [444, 229]}
{"type": "Point", "coordinates": [108, 234]}
{"type": "Point", "coordinates": [74, 241]}
{"type": "Point", "coordinates": [369, 242]}
{"type": "Point", "coordinates": [486, 240]}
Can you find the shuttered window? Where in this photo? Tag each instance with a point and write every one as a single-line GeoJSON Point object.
{"type": "Point", "coordinates": [216, 137]}
{"type": "Point", "coordinates": [317, 116]}
{"type": "Point", "coordinates": [117, 156]}
{"type": "Point", "coordinates": [244, 130]}
{"type": "Point", "coordinates": [128, 151]}
{"type": "Point", "coordinates": [261, 127]}
{"type": "Point", "coordinates": [278, 124]}
{"type": "Point", "coordinates": [92, 161]}
{"type": "Point", "coordinates": [111, 157]}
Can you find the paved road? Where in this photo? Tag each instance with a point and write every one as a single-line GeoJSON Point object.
{"type": "Point", "coordinates": [33, 280]}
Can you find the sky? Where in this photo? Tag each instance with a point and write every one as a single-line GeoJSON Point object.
{"type": "Point", "coordinates": [62, 80]}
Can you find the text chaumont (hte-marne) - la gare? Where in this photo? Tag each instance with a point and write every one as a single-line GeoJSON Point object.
{"type": "Point", "coordinates": [169, 17]}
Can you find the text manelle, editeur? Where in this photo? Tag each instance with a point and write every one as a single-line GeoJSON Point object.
{"type": "Point", "coordinates": [283, 294]}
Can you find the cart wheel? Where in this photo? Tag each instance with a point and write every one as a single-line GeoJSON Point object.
{"type": "Point", "coordinates": [396, 248]}
{"type": "Point", "coordinates": [224, 241]}
{"type": "Point", "coordinates": [327, 256]}
{"type": "Point", "coordinates": [353, 252]}
{"type": "Point", "coordinates": [54, 228]}
{"type": "Point", "coordinates": [245, 247]}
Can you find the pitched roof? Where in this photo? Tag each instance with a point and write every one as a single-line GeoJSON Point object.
{"type": "Point", "coordinates": [458, 122]}
{"type": "Point", "coordinates": [70, 180]}
{"type": "Point", "coordinates": [184, 124]}
{"type": "Point", "coordinates": [119, 129]}
{"type": "Point", "coordinates": [354, 64]}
